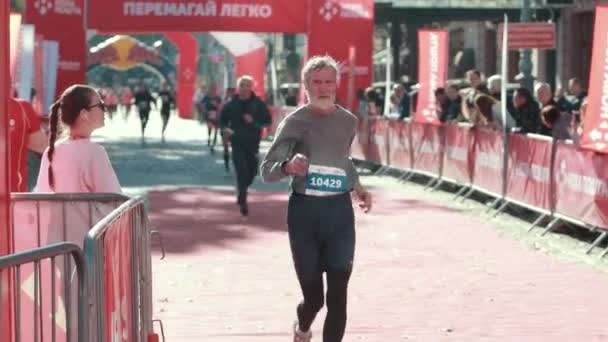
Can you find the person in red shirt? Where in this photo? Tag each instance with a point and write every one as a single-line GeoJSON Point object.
{"type": "Point", "coordinates": [25, 134]}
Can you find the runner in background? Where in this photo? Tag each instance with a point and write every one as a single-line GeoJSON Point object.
{"type": "Point", "coordinates": [167, 99]}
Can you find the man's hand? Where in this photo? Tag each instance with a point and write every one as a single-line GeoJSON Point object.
{"type": "Point", "coordinates": [248, 118]}
{"type": "Point", "coordinates": [365, 199]}
{"type": "Point", "coordinates": [298, 165]}
{"type": "Point", "coordinates": [227, 132]}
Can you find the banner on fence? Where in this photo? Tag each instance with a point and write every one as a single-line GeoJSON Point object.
{"type": "Point", "coordinates": [529, 170]}
{"type": "Point", "coordinates": [377, 149]}
{"type": "Point", "coordinates": [581, 184]}
{"type": "Point", "coordinates": [118, 271]}
{"type": "Point", "coordinates": [488, 170]}
{"type": "Point", "coordinates": [399, 145]}
{"type": "Point", "coordinates": [457, 152]}
{"type": "Point", "coordinates": [426, 146]}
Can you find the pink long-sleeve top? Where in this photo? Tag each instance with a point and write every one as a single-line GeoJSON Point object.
{"type": "Point", "coordinates": [79, 165]}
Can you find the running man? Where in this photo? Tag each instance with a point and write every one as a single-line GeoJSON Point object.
{"type": "Point", "coordinates": [167, 100]}
{"type": "Point", "coordinates": [312, 146]}
{"type": "Point", "coordinates": [143, 99]}
{"type": "Point", "coordinates": [242, 120]}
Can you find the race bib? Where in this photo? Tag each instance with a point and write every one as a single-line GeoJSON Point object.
{"type": "Point", "coordinates": [325, 181]}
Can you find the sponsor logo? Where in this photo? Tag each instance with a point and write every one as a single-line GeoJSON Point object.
{"type": "Point", "coordinates": [351, 10]}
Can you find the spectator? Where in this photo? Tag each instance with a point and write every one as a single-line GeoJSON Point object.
{"type": "Point", "coordinates": [474, 80]}
{"type": "Point", "coordinates": [555, 123]}
{"type": "Point", "coordinates": [526, 111]}
{"type": "Point", "coordinates": [397, 94]}
{"type": "Point", "coordinates": [442, 103]}
{"type": "Point", "coordinates": [24, 134]}
{"type": "Point", "coordinates": [75, 163]}
{"type": "Point", "coordinates": [362, 109]}
{"type": "Point", "coordinates": [490, 114]}
{"type": "Point", "coordinates": [374, 107]}
{"type": "Point", "coordinates": [455, 104]}
{"type": "Point", "coordinates": [576, 90]}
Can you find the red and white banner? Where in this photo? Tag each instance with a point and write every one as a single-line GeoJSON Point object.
{"type": "Point", "coordinates": [198, 15]}
{"type": "Point", "coordinates": [187, 63]}
{"type": "Point", "coordinates": [595, 122]}
{"type": "Point", "coordinates": [399, 145]}
{"type": "Point", "coordinates": [529, 170]}
{"type": "Point", "coordinates": [358, 148]}
{"type": "Point", "coordinates": [457, 165]}
{"type": "Point", "coordinates": [488, 170]}
{"type": "Point", "coordinates": [63, 21]}
{"type": "Point", "coordinates": [426, 144]}
{"type": "Point", "coordinates": [432, 72]}
{"type": "Point", "coordinates": [117, 270]}
{"type": "Point", "coordinates": [581, 184]}
{"type": "Point", "coordinates": [539, 35]}
{"type": "Point", "coordinates": [335, 27]}
{"type": "Point", "coordinates": [377, 149]}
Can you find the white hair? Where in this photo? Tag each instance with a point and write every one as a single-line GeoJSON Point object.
{"type": "Point", "coordinates": [494, 82]}
{"type": "Point", "coordinates": [540, 85]}
{"type": "Point", "coordinates": [244, 78]}
{"type": "Point", "coordinates": [317, 63]}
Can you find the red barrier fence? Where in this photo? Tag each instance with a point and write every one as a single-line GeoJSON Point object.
{"type": "Point", "coordinates": [427, 148]}
{"type": "Point", "coordinates": [551, 176]}
{"type": "Point", "coordinates": [581, 184]}
{"type": "Point", "coordinates": [458, 150]}
{"type": "Point", "coordinates": [529, 170]}
{"type": "Point", "coordinates": [488, 161]}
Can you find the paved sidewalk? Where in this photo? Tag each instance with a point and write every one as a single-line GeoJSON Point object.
{"type": "Point", "coordinates": [426, 269]}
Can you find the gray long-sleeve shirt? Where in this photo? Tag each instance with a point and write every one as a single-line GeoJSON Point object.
{"type": "Point", "coordinates": [324, 139]}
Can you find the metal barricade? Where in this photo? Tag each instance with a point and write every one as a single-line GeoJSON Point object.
{"type": "Point", "coordinates": [117, 253]}
{"type": "Point", "coordinates": [10, 275]}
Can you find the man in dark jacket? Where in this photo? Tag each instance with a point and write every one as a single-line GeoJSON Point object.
{"type": "Point", "coordinates": [242, 119]}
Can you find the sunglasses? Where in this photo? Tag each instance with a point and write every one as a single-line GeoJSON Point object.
{"type": "Point", "coordinates": [101, 106]}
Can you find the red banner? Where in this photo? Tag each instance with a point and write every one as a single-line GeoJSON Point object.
{"type": "Point", "coordinates": [488, 170]}
{"type": "Point", "coordinates": [457, 165]}
{"type": "Point", "coordinates": [539, 35]}
{"type": "Point", "coordinates": [253, 64]}
{"type": "Point", "coordinates": [377, 150]}
{"type": "Point", "coordinates": [581, 184]}
{"type": "Point", "coordinates": [529, 170]}
{"type": "Point", "coordinates": [399, 145]}
{"type": "Point", "coordinates": [432, 72]}
{"type": "Point", "coordinates": [198, 15]}
{"type": "Point", "coordinates": [426, 144]}
{"type": "Point", "coordinates": [187, 46]}
{"type": "Point", "coordinates": [5, 236]}
{"type": "Point", "coordinates": [595, 122]}
{"type": "Point", "coordinates": [118, 271]}
{"type": "Point", "coordinates": [335, 27]}
{"type": "Point", "coordinates": [358, 148]}
{"type": "Point", "coordinates": [62, 21]}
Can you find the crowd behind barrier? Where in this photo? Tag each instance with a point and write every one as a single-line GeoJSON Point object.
{"type": "Point", "coordinates": [115, 235]}
{"type": "Point", "coordinates": [552, 177]}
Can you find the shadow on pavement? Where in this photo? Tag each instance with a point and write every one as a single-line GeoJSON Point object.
{"type": "Point", "coordinates": [191, 219]}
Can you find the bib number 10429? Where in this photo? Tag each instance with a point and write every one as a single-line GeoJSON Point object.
{"type": "Point", "coordinates": [324, 180]}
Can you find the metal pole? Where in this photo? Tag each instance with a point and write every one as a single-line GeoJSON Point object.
{"type": "Point", "coordinates": [525, 62]}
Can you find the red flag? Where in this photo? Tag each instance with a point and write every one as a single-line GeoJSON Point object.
{"type": "Point", "coordinates": [595, 122]}
{"type": "Point", "coordinates": [432, 72]}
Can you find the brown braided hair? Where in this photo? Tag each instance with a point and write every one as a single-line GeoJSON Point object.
{"type": "Point", "coordinates": [67, 108]}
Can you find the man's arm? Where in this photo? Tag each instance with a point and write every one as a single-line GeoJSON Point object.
{"type": "Point", "coordinates": [225, 117]}
{"type": "Point", "coordinates": [37, 142]}
{"type": "Point", "coordinates": [281, 150]}
{"type": "Point", "coordinates": [264, 119]}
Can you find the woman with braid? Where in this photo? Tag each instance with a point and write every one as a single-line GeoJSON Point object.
{"type": "Point", "coordinates": [72, 162]}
